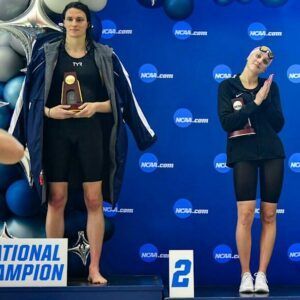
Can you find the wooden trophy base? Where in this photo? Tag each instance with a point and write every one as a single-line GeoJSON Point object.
{"type": "Point", "coordinates": [242, 132]}
{"type": "Point", "coordinates": [75, 107]}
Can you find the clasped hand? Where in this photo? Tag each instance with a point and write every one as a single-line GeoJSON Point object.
{"type": "Point", "coordinates": [87, 110]}
{"type": "Point", "coordinates": [263, 91]}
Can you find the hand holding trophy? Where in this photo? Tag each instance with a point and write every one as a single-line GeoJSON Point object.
{"type": "Point", "coordinates": [237, 104]}
{"type": "Point", "coordinates": [71, 92]}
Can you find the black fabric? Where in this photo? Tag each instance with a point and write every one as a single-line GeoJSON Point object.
{"type": "Point", "coordinates": [266, 119]}
{"type": "Point", "coordinates": [74, 149]}
{"type": "Point", "coordinates": [93, 90]}
{"type": "Point", "coordinates": [63, 150]}
{"type": "Point", "coordinates": [245, 174]}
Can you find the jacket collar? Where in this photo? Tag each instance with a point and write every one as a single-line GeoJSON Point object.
{"type": "Point", "coordinates": [236, 82]}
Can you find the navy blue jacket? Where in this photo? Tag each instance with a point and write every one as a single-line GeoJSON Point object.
{"type": "Point", "coordinates": [125, 109]}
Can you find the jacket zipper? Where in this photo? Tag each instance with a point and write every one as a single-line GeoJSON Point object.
{"type": "Point", "coordinates": [257, 134]}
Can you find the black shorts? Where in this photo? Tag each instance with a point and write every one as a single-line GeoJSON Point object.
{"type": "Point", "coordinates": [64, 146]}
{"type": "Point", "coordinates": [245, 174]}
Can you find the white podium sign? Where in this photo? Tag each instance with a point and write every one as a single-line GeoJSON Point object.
{"type": "Point", "coordinates": [181, 273]}
{"type": "Point", "coordinates": [33, 262]}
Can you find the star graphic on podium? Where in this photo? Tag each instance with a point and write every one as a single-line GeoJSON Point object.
{"type": "Point", "coordinates": [81, 248]}
{"type": "Point", "coordinates": [5, 234]}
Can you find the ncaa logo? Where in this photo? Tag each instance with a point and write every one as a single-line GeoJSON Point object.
{"type": "Point", "coordinates": [148, 253]}
{"type": "Point", "coordinates": [220, 163]}
{"type": "Point", "coordinates": [293, 73]}
{"type": "Point", "coordinates": [257, 31]}
{"type": "Point", "coordinates": [148, 162]}
{"type": "Point", "coordinates": [182, 208]}
{"type": "Point", "coordinates": [182, 30]}
{"type": "Point", "coordinates": [294, 162]}
{"type": "Point", "coordinates": [221, 72]}
{"type": "Point", "coordinates": [294, 252]}
{"type": "Point", "coordinates": [109, 29]}
{"type": "Point", "coordinates": [148, 73]}
{"type": "Point", "coordinates": [108, 211]}
{"type": "Point", "coordinates": [222, 254]}
{"type": "Point", "coordinates": [183, 117]}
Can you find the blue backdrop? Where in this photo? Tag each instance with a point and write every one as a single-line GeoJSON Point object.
{"type": "Point", "coordinates": [179, 194]}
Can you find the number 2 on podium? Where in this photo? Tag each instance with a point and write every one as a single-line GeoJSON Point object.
{"type": "Point", "coordinates": [178, 281]}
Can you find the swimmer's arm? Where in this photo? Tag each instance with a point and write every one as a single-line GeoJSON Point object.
{"type": "Point", "coordinates": [11, 151]}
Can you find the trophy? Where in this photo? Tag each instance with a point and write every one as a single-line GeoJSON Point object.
{"type": "Point", "coordinates": [237, 104]}
{"type": "Point", "coordinates": [71, 92]}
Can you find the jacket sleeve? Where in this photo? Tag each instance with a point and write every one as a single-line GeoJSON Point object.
{"type": "Point", "coordinates": [232, 120]}
{"type": "Point", "coordinates": [272, 108]}
{"type": "Point", "coordinates": [132, 113]}
{"type": "Point", "coordinates": [18, 121]}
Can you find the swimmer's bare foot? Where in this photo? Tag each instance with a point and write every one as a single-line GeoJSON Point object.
{"type": "Point", "coordinates": [96, 278]}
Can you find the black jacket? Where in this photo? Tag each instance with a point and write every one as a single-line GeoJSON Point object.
{"type": "Point", "coordinates": [266, 119]}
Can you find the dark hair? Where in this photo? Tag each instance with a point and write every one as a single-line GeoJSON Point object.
{"type": "Point", "coordinates": [77, 5]}
{"type": "Point", "coordinates": [85, 9]}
